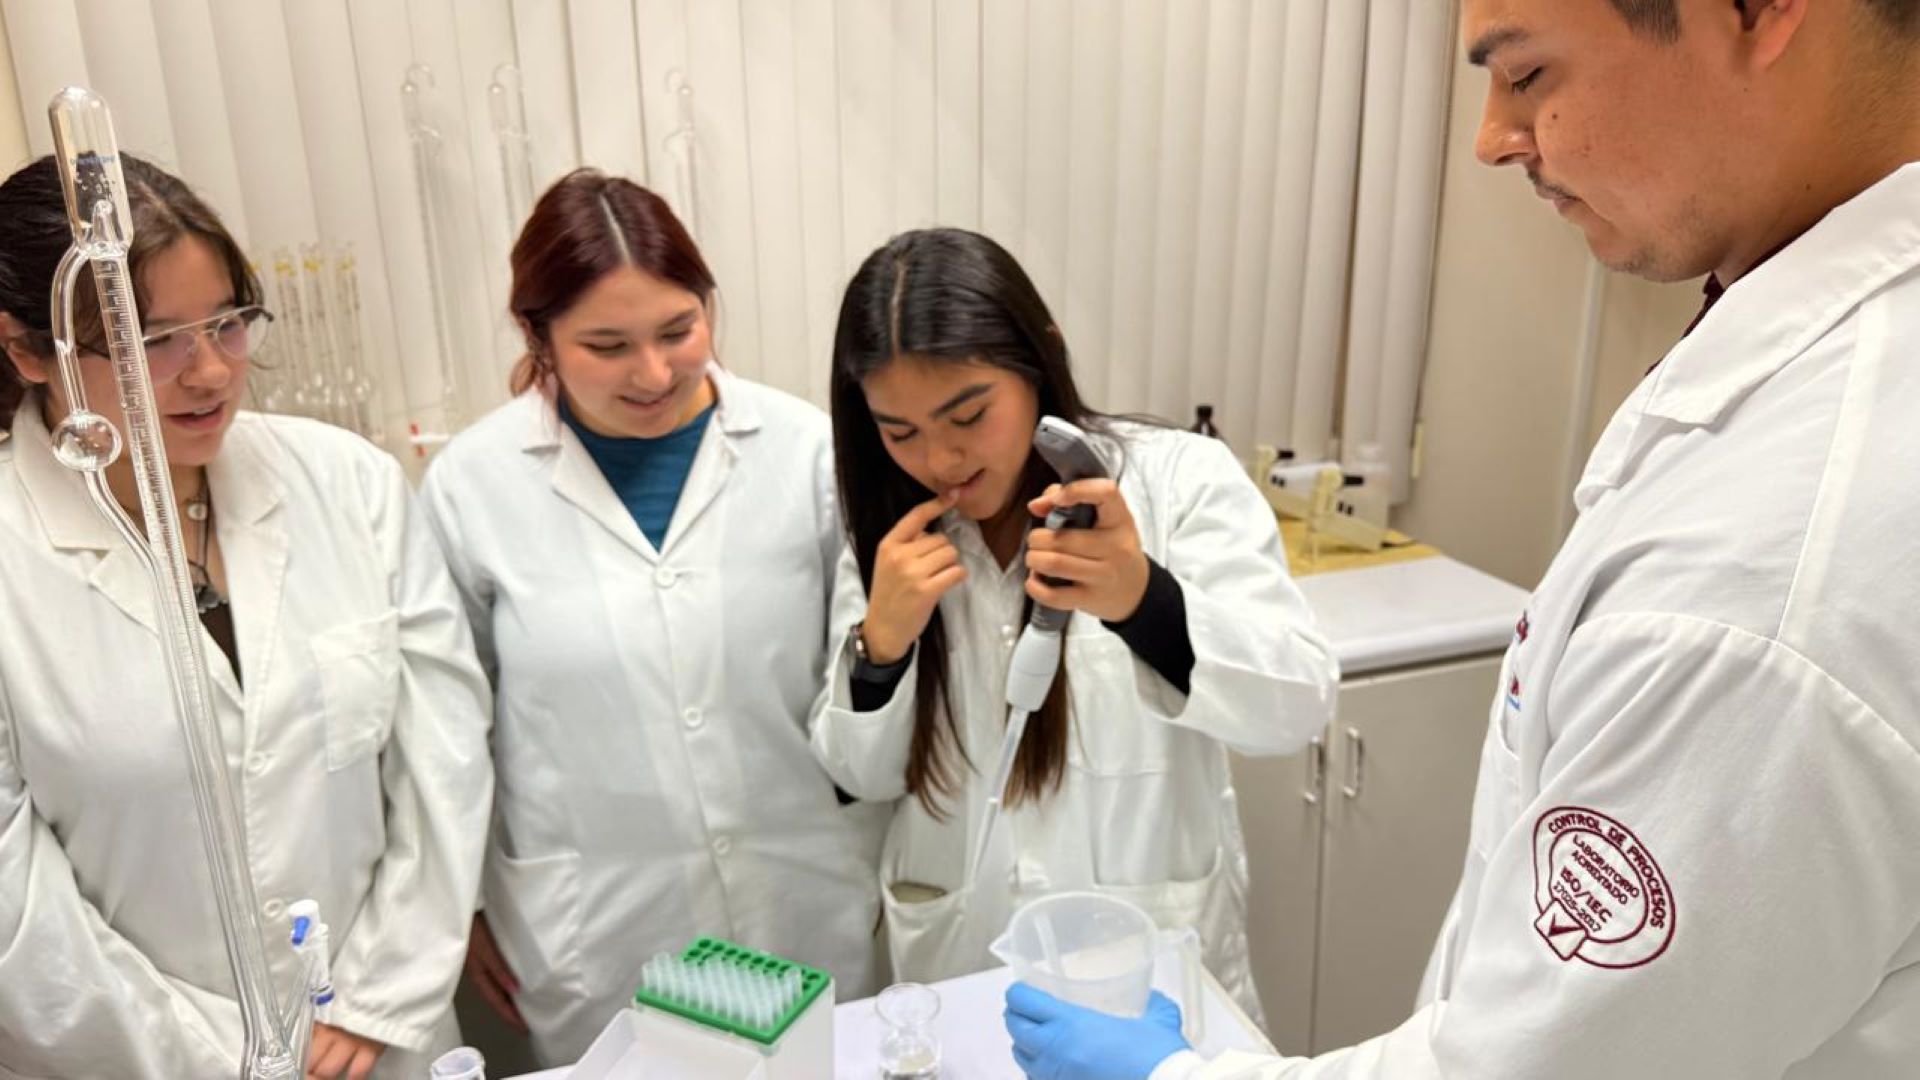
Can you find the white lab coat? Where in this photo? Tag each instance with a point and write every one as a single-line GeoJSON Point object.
{"type": "Point", "coordinates": [357, 750]}
{"type": "Point", "coordinates": [1146, 811]}
{"type": "Point", "coordinates": [1716, 673]}
{"type": "Point", "coordinates": [650, 725]}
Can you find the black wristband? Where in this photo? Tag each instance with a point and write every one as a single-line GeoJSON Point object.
{"type": "Point", "coordinates": [871, 689]}
{"type": "Point", "coordinates": [866, 671]}
{"type": "Point", "coordinates": [1157, 629]}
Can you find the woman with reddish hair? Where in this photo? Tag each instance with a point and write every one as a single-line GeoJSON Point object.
{"type": "Point", "coordinates": [646, 545]}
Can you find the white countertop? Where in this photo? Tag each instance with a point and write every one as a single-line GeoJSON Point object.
{"type": "Point", "coordinates": [1417, 612]}
{"type": "Point", "coordinates": [973, 1037]}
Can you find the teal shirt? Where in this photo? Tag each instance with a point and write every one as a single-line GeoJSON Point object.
{"type": "Point", "coordinates": [647, 474]}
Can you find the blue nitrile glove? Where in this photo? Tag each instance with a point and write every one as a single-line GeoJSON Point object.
{"type": "Point", "coordinates": [1053, 1040]}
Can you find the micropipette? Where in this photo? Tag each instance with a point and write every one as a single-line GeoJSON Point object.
{"type": "Point", "coordinates": [1036, 656]}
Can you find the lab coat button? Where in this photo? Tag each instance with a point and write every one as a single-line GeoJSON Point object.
{"type": "Point", "coordinates": [273, 909]}
{"type": "Point", "coordinates": [693, 719]}
{"type": "Point", "coordinates": [665, 577]}
{"type": "Point", "coordinates": [722, 845]}
{"type": "Point", "coordinates": [257, 764]}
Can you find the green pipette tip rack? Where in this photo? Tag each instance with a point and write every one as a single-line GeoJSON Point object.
{"type": "Point", "coordinates": [709, 951]}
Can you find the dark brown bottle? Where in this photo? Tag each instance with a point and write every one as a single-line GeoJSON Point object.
{"type": "Point", "coordinates": [1203, 422]}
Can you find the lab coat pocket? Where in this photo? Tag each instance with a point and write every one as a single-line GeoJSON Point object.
{"type": "Point", "coordinates": [1496, 811]}
{"type": "Point", "coordinates": [1112, 734]}
{"type": "Point", "coordinates": [358, 665]}
{"type": "Point", "coordinates": [533, 907]}
{"type": "Point", "coordinates": [927, 936]}
{"type": "Point", "coordinates": [1198, 903]}
{"type": "Point", "coordinates": [1496, 799]}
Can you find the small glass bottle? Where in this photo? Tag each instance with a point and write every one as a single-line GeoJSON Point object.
{"type": "Point", "coordinates": [909, 1050]}
{"type": "Point", "coordinates": [1203, 422]}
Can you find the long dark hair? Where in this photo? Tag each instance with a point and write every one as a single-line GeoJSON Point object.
{"type": "Point", "coordinates": [587, 225]}
{"type": "Point", "coordinates": [34, 236]}
{"type": "Point", "coordinates": [947, 296]}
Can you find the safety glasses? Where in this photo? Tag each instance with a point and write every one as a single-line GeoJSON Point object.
{"type": "Point", "coordinates": [236, 334]}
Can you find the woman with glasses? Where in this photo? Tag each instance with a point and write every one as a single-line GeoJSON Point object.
{"type": "Point", "coordinates": [353, 713]}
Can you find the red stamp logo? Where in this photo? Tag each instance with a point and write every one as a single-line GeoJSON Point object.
{"type": "Point", "coordinates": [1601, 896]}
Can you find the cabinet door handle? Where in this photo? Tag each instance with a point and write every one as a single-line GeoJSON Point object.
{"type": "Point", "coordinates": [1316, 770]}
{"type": "Point", "coordinates": [1356, 764]}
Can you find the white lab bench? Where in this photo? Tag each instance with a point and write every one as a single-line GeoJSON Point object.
{"type": "Point", "coordinates": [973, 1038]}
{"type": "Point", "coordinates": [1355, 846]}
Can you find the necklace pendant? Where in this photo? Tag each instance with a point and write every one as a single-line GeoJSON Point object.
{"type": "Point", "coordinates": [206, 597]}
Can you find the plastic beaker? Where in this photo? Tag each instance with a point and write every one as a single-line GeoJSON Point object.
{"type": "Point", "coordinates": [909, 1050]}
{"type": "Point", "coordinates": [1085, 948]}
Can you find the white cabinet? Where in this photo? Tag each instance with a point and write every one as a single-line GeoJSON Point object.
{"type": "Point", "coordinates": [1354, 848]}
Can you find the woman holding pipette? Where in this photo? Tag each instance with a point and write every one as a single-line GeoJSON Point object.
{"type": "Point", "coordinates": [646, 543]}
{"type": "Point", "coordinates": [1187, 637]}
{"type": "Point", "coordinates": [343, 678]}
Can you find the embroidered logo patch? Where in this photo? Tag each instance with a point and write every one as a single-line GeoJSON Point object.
{"type": "Point", "coordinates": [1601, 896]}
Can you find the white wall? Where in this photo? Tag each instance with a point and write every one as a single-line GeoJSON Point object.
{"type": "Point", "coordinates": [1499, 399]}
{"type": "Point", "coordinates": [13, 130]}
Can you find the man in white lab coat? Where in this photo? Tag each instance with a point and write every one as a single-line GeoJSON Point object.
{"type": "Point", "coordinates": [1696, 841]}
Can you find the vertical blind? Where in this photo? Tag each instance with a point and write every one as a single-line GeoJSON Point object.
{"type": "Point", "coordinates": [1223, 201]}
